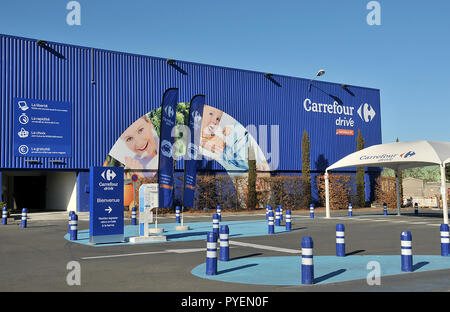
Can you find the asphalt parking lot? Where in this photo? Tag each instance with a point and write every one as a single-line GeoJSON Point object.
{"type": "Point", "coordinates": [36, 258]}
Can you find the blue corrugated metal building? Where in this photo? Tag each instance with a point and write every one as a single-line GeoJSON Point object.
{"type": "Point", "coordinates": [107, 91]}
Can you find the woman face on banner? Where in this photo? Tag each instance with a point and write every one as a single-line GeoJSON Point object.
{"type": "Point", "coordinates": [139, 138]}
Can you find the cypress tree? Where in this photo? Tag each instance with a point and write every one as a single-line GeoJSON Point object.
{"type": "Point", "coordinates": [251, 195]}
{"type": "Point", "coordinates": [306, 170]}
{"type": "Point", "coordinates": [360, 187]}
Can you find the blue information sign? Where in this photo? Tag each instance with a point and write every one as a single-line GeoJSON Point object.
{"type": "Point", "coordinates": [42, 128]}
{"type": "Point", "coordinates": [106, 223]}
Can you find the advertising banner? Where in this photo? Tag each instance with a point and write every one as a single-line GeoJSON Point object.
{"type": "Point", "coordinates": [42, 128]}
{"type": "Point", "coordinates": [106, 205]}
{"type": "Point", "coordinates": [165, 170]}
{"type": "Point", "coordinates": [193, 151]}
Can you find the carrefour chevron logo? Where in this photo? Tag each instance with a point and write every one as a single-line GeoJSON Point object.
{"type": "Point", "coordinates": [366, 112]}
{"type": "Point", "coordinates": [408, 154]}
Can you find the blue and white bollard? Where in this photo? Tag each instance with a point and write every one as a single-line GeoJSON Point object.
{"type": "Point", "coordinates": [73, 224]}
{"type": "Point", "coordinates": [445, 239]}
{"type": "Point", "coordinates": [23, 223]}
{"type": "Point", "coordinates": [219, 213]}
{"type": "Point", "coordinates": [268, 209]}
{"type": "Point", "coordinates": [133, 216]}
{"type": "Point", "coordinates": [288, 220]}
{"type": "Point", "coordinates": [71, 212]}
{"type": "Point", "coordinates": [416, 209]}
{"type": "Point", "coordinates": [277, 216]}
{"type": "Point", "coordinates": [281, 212]}
{"type": "Point", "coordinates": [177, 214]}
{"type": "Point", "coordinates": [340, 240]}
{"type": "Point", "coordinates": [307, 261]}
{"type": "Point", "coordinates": [216, 225]}
{"type": "Point", "coordinates": [311, 211]}
{"type": "Point", "coordinates": [350, 210]}
{"type": "Point", "coordinates": [385, 209]}
{"type": "Point", "coordinates": [271, 228]}
{"type": "Point", "coordinates": [406, 245]}
{"type": "Point", "coordinates": [4, 216]}
{"type": "Point", "coordinates": [211, 253]}
{"type": "Point", "coordinates": [224, 243]}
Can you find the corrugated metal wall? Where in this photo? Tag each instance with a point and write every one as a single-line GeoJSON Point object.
{"type": "Point", "coordinates": [128, 86]}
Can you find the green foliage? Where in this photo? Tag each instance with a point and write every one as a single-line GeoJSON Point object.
{"type": "Point", "coordinates": [306, 169]}
{"type": "Point", "coordinates": [428, 174]}
{"type": "Point", "coordinates": [360, 188]}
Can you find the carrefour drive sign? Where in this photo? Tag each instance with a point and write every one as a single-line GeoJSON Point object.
{"type": "Point", "coordinates": [106, 205]}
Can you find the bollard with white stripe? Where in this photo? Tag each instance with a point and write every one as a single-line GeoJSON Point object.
{"type": "Point", "coordinates": [311, 211]}
{"type": "Point", "coordinates": [73, 224]}
{"type": "Point", "coordinates": [406, 245]}
{"type": "Point", "coordinates": [277, 216]}
{"type": "Point", "coordinates": [4, 216]}
{"type": "Point", "coordinates": [350, 210]}
{"type": "Point", "coordinates": [307, 261]}
{"type": "Point", "coordinates": [288, 220]}
{"type": "Point", "coordinates": [23, 222]}
{"type": "Point", "coordinates": [211, 253]}
{"type": "Point", "coordinates": [416, 209]}
{"type": "Point", "coordinates": [219, 213]}
{"type": "Point", "coordinates": [385, 209]}
{"type": "Point", "coordinates": [268, 210]}
{"type": "Point", "coordinates": [216, 225]}
{"type": "Point", "coordinates": [71, 212]}
{"type": "Point", "coordinates": [281, 212]}
{"type": "Point", "coordinates": [271, 228]}
{"type": "Point", "coordinates": [224, 244]}
{"type": "Point", "coordinates": [177, 214]}
{"type": "Point", "coordinates": [445, 239]}
{"type": "Point", "coordinates": [133, 216]}
{"type": "Point", "coordinates": [340, 240]}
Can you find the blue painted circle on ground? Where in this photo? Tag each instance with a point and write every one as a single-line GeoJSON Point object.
{"type": "Point", "coordinates": [286, 271]}
{"type": "Point", "coordinates": [197, 231]}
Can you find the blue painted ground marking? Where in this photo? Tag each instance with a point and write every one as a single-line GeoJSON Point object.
{"type": "Point", "coordinates": [198, 231]}
{"type": "Point", "coordinates": [286, 271]}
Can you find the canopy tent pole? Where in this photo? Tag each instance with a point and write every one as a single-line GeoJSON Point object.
{"type": "Point", "coordinates": [397, 189]}
{"type": "Point", "coordinates": [444, 194]}
{"type": "Point", "coordinates": [327, 195]}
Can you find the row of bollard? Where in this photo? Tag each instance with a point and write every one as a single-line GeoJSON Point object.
{"type": "Point", "coordinates": [23, 221]}
{"type": "Point", "coordinates": [222, 235]}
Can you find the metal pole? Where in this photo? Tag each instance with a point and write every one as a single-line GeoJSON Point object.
{"type": "Point", "coordinates": [397, 189]}
{"type": "Point", "coordinates": [444, 194]}
{"type": "Point", "coordinates": [327, 195]}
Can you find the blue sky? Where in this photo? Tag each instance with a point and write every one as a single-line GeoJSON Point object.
{"type": "Point", "coordinates": [407, 57]}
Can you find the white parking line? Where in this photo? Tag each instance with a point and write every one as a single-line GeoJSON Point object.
{"type": "Point", "coordinates": [292, 251]}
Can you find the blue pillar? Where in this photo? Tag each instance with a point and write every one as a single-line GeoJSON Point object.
{"type": "Point", "coordinates": [350, 210]}
{"type": "Point", "coordinates": [281, 212]}
{"type": "Point", "coordinates": [445, 240]}
{"type": "Point", "coordinates": [133, 216]}
{"type": "Point", "coordinates": [224, 243]}
{"type": "Point", "coordinates": [73, 224]}
{"type": "Point", "coordinates": [71, 212]}
{"type": "Point", "coordinates": [311, 211]}
{"type": "Point", "coordinates": [277, 216]}
{"type": "Point", "coordinates": [416, 209]}
{"type": "Point", "coordinates": [219, 213]}
{"type": "Point", "coordinates": [211, 254]}
{"type": "Point", "coordinates": [216, 225]}
{"type": "Point", "coordinates": [385, 209]}
{"type": "Point", "coordinates": [23, 223]}
{"type": "Point", "coordinates": [177, 214]}
{"type": "Point", "coordinates": [340, 240]}
{"type": "Point", "coordinates": [406, 246]}
{"type": "Point", "coordinates": [271, 228]}
{"type": "Point", "coordinates": [288, 220]}
{"type": "Point", "coordinates": [307, 261]}
{"type": "Point", "coordinates": [268, 210]}
{"type": "Point", "coordinates": [4, 216]}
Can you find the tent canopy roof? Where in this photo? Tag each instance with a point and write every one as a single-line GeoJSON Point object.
{"type": "Point", "coordinates": [398, 155]}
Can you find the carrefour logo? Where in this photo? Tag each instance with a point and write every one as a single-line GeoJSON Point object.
{"type": "Point", "coordinates": [366, 112]}
{"type": "Point", "coordinates": [408, 154]}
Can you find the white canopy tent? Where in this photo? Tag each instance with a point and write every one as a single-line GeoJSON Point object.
{"type": "Point", "coordinates": [398, 156]}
